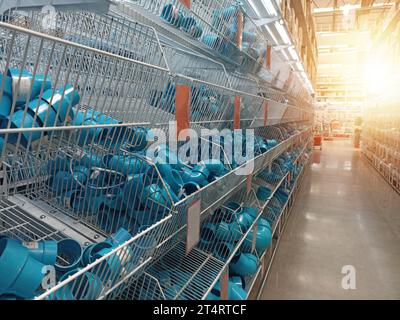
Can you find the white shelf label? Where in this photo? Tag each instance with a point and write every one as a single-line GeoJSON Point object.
{"type": "Point", "coordinates": [193, 225]}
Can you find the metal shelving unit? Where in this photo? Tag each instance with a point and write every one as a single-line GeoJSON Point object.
{"type": "Point", "coordinates": [118, 75]}
{"type": "Point", "coordinates": [381, 143]}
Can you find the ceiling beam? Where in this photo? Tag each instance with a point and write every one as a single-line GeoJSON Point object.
{"type": "Point", "coordinates": [367, 3]}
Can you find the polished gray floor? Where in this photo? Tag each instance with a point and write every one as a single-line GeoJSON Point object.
{"type": "Point", "coordinates": [344, 215]}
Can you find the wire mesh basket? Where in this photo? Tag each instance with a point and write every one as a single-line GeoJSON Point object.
{"type": "Point", "coordinates": [80, 97]}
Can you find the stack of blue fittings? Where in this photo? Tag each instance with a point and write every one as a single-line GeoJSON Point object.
{"type": "Point", "coordinates": [227, 228]}
{"type": "Point", "coordinates": [24, 264]}
{"type": "Point", "coordinates": [176, 17]}
{"type": "Point", "coordinates": [36, 105]}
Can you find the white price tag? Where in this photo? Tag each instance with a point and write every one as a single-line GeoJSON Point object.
{"type": "Point", "coordinates": [193, 225]}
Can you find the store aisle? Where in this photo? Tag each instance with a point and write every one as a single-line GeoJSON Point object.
{"type": "Point", "coordinates": [345, 214]}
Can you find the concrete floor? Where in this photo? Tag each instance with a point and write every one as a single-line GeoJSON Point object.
{"type": "Point", "coordinates": [346, 214]}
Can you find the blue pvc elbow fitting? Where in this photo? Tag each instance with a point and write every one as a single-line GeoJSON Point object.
{"type": "Point", "coordinates": [190, 188]}
{"type": "Point", "coordinates": [21, 273]}
{"type": "Point", "coordinates": [235, 291]}
{"type": "Point", "coordinates": [263, 240]}
{"type": "Point", "coordinates": [43, 251]}
{"type": "Point", "coordinates": [90, 160]}
{"type": "Point", "coordinates": [228, 232]}
{"type": "Point", "coordinates": [142, 248]}
{"type": "Point", "coordinates": [71, 252]}
{"type": "Point", "coordinates": [121, 236]}
{"type": "Point", "coordinates": [211, 40]}
{"type": "Point", "coordinates": [89, 253]}
{"type": "Point", "coordinates": [158, 196]}
{"type": "Point", "coordinates": [87, 286]}
{"type": "Point", "coordinates": [244, 264]}
{"type": "Point", "coordinates": [263, 193]}
{"type": "Point", "coordinates": [249, 37]}
{"type": "Point", "coordinates": [207, 234]}
{"type": "Point", "coordinates": [223, 250]}
{"type": "Point", "coordinates": [128, 165]}
{"type": "Point", "coordinates": [6, 99]}
{"type": "Point", "coordinates": [214, 166]}
{"type": "Point", "coordinates": [252, 212]}
{"type": "Point", "coordinates": [65, 181]}
{"type": "Point", "coordinates": [62, 101]}
{"type": "Point", "coordinates": [171, 177]}
{"type": "Point", "coordinates": [198, 175]}
{"type": "Point", "coordinates": [133, 190]}
{"type": "Point", "coordinates": [172, 15]}
{"type": "Point", "coordinates": [141, 139]}
{"type": "Point", "coordinates": [21, 119]}
{"type": "Point", "coordinates": [29, 87]}
{"type": "Point", "coordinates": [188, 23]}
{"type": "Point", "coordinates": [272, 143]}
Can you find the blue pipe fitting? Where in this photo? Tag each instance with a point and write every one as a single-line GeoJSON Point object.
{"type": "Point", "coordinates": [164, 156]}
{"type": "Point", "coordinates": [201, 168]}
{"type": "Point", "coordinates": [190, 188]}
{"type": "Point", "coordinates": [63, 100]}
{"type": "Point", "coordinates": [120, 237]}
{"type": "Point", "coordinates": [141, 139]}
{"type": "Point", "coordinates": [133, 190]}
{"type": "Point", "coordinates": [263, 240]}
{"type": "Point", "coordinates": [89, 253]}
{"type": "Point", "coordinates": [188, 23]}
{"type": "Point", "coordinates": [142, 248]}
{"type": "Point", "coordinates": [87, 286]}
{"type": "Point", "coordinates": [43, 251]}
{"type": "Point", "coordinates": [71, 252]}
{"type": "Point", "coordinates": [228, 232]}
{"type": "Point", "coordinates": [65, 181]}
{"type": "Point", "coordinates": [46, 116]}
{"type": "Point", "coordinates": [158, 197]}
{"type": "Point", "coordinates": [235, 291]}
{"type": "Point", "coordinates": [239, 281]}
{"type": "Point", "coordinates": [249, 37]}
{"type": "Point", "coordinates": [245, 221]}
{"type": "Point", "coordinates": [197, 177]}
{"type": "Point", "coordinates": [244, 264]}
{"type": "Point", "coordinates": [252, 212]}
{"type": "Point", "coordinates": [207, 234]}
{"type": "Point", "coordinates": [21, 119]}
{"type": "Point", "coordinates": [214, 166]}
{"type": "Point", "coordinates": [113, 267]}
{"type": "Point", "coordinates": [59, 163]}
{"type": "Point", "coordinates": [234, 206]}
{"type": "Point", "coordinates": [264, 223]}
{"type": "Point", "coordinates": [128, 165]}
{"type": "Point", "coordinates": [229, 12]}
{"type": "Point", "coordinates": [272, 143]}
{"type": "Point", "coordinates": [212, 41]}
{"type": "Point", "coordinates": [223, 250]}
{"type": "Point", "coordinates": [171, 177]}
{"type": "Point", "coordinates": [21, 273]}
{"type": "Point", "coordinates": [172, 15]}
{"type": "Point", "coordinates": [263, 193]}
{"type": "Point", "coordinates": [29, 87]}
{"type": "Point", "coordinates": [92, 160]}
{"type": "Point", "coordinates": [145, 217]}
{"type": "Point", "coordinates": [116, 200]}
{"type": "Point", "coordinates": [6, 99]}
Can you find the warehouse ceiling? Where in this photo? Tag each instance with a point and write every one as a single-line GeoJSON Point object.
{"type": "Point", "coordinates": [346, 31]}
